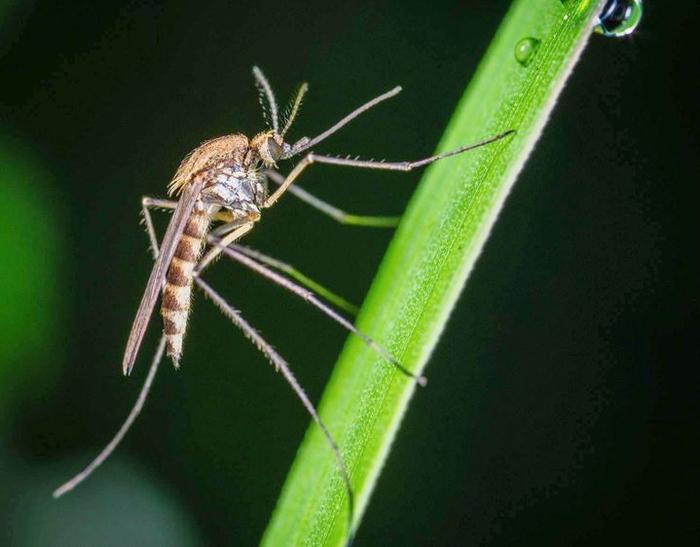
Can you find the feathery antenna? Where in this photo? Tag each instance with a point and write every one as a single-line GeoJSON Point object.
{"type": "Point", "coordinates": [265, 92]}
{"type": "Point", "coordinates": [293, 107]}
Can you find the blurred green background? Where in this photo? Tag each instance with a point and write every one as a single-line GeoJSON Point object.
{"type": "Point", "coordinates": [561, 405]}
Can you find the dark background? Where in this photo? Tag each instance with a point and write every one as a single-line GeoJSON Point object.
{"type": "Point", "coordinates": [561, 406]}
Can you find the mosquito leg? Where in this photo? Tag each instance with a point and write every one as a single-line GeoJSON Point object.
{"type": "Point", "coordinates": [157, 203]}
{"type": "Point", "coordinates": [295, 274]}
{"type": "Point", "coordinates": [286, 183]}
{"type": "Point", "coordinates": [148, 203]}
{"type": "Point", "coordinates": [230, 226]}
{"type": "Point", "coordinates": [311, 298]}
{"type": "Point", "coordinates": [133, 414]}
{"type": "Point", "coordinates": [405, 165]}
{"type": "Point", "coordinates": [238, 231]}
{"type": "Point", "coordinates": [372, 164]}
{"type": "Point", "coordinates": [151, 203]}
{"type": "Point", "coordinates": [336, 214]}
{"type": "Point", "coordinates": [281, 366]}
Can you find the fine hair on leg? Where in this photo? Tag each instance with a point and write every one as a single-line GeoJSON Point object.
{"type": "Point", "coordinates": [283, 367]}
{"type": "Point", "coordinates": [299, 277]}
{"type": "Point", "coordinates": [309, 297]}
{"type": "Point", "coordinates": [312, 158]}
{"type": "Point", "coordinates": [403, 165]}
{"type": "Point", "coordinates": [112, 445]}
{"type": "Point", "coordinates": [147, 203]}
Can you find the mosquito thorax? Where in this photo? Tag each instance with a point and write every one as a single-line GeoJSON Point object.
{"type": "Point", "coordinates": [236, 188]}
{"type": "Point", "coordinates": [230, 150]}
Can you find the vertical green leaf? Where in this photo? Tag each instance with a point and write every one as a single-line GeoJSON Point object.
{"type": "Point", "coordinates": [439, 239]}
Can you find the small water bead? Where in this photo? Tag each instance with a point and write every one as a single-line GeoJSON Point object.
{"type": "Point", "coordinates": [619, 18]}
{"type": "Point", "coordinates": [525, 50]}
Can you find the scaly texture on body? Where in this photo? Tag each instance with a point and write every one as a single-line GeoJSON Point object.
{"type": "Point", "coordinates": [175, 307]}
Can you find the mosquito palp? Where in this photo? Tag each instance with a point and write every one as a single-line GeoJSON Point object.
{"type": "Point", "coordinates": [305, 143]}
{"type": "Point", "coordinates": [224, 182]}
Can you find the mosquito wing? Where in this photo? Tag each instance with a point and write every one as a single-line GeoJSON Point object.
{"type": "Point", "coordinates": [155, 281]}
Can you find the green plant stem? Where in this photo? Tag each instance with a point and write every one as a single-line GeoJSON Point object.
{"type": "Point", "coordinates": [427, 264]}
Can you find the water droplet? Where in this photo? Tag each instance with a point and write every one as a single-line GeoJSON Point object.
{"type": "Point", "coordinates": [525, 50]}
{"type": "Point", "coordinates": [619, 18]}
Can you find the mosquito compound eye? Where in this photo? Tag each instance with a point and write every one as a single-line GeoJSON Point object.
{"type": "Point", "coordinates": [274, 149]}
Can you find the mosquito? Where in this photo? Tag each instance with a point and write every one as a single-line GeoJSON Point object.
{"type": "Point", "coordinates": [222, 189]}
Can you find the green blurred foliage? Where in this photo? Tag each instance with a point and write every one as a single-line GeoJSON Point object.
{"type": "Point", "coordinates": [32, 242]}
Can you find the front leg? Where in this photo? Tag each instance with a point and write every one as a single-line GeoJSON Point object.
{"type": "Point", "coordinates": [334, 212]}
{"type": "Point", "coordinates": [234, 231]}
{"type": "Point", "coordinates": [148, 203]}
{"type": "Point", "coordinates": [372, 164]}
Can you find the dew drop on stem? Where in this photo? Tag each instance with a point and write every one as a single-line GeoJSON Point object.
{"type": "Point", "coordinates": [525, 50]}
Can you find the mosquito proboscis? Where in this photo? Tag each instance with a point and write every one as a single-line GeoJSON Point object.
{"type": "Point", "coordinates": [223, 182]}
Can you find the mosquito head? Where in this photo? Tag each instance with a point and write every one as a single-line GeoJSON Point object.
{"type": "Point", "coordinates": [270, 147]}
{"type": "Point", "coordinates": [272, 115]}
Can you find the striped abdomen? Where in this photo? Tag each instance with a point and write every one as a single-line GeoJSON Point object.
{"type": "Point", "coordinates": [175, 308]}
